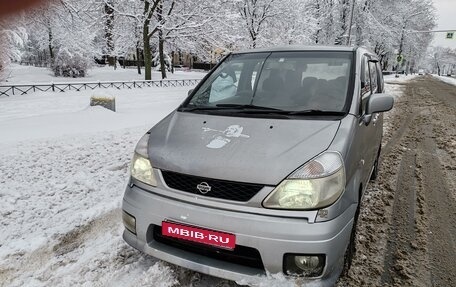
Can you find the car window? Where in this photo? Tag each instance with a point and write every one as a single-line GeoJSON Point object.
{"type": "Point", "coordinates": [289, 81]}
{"type": "Point", "coordinates": [366, 88]}
{"type": "Point", "coordinates": [365, 77]}
{"type": "Point", "coordinates": [292, 82]}
{"type": "Point", "coordinates": [230, 80]}
{"type": "Point", "coordinates": [225, 84]}
{"type": "Point", "coordinates": [373, 76]}
{"type": "Point", "coordinates": [381, 84]}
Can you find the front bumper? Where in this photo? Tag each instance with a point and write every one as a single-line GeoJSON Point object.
{"type": "Point", "coordinates": [272, 236]}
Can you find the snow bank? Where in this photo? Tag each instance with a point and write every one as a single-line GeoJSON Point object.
{"type": "Point", "coordinates": [449, 80]}
{"type": "Point", "coordinates": [391, 79]}
{"type": "Point", "coordinates": [46, 115]}
{"type": "Point", "coordinates": [64, 163]}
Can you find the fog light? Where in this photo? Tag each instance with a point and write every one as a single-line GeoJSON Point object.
{"type": "Point", "coordinates": [304, 265]}
{"type": "Point", "coordinates": [129, 222]}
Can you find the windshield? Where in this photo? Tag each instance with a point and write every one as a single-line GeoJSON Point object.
{"type": "Point", "coordinates": [277, 81]}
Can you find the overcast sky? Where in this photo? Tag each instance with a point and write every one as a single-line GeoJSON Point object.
{"type": "Point", "coordinates": [446, 19]}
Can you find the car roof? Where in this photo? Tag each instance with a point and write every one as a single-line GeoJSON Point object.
{"type": "Point", "coordinates": [300, 48]}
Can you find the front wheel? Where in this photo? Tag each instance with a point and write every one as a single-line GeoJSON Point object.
{"type": "Point", "coordinates": [374, 174]}
{"type": "Point", "coordinates": [351, 248]}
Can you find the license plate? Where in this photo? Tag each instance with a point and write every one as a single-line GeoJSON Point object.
{"type": "Point", "coordinates": [199, 235]}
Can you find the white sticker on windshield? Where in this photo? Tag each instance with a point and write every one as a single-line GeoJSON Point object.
{"type": "Point", "coordinates": [221, 138]}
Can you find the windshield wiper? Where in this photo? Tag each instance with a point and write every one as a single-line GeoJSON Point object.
{"type": "Point", "coordinates": [252, 109]}
{"type": "Point", "coordinates": [197, 108]}
{"type": "Point", "coordinates": [231, 107]}
{"type": "Point", "coordinates": [227, 107]}
{"type": "Point", "coordinates": [247, 107]}
{"type": "Point", "coordinates": [316, 112]}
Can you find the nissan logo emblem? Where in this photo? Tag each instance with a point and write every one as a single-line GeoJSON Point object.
{"type": "Point", "coordinates": [204, 187]}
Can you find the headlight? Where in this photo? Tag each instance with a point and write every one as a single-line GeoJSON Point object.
{"type": "Point", "coordinates": [141, 168]}
{"type": "Point", "coordinates": [317, 184]}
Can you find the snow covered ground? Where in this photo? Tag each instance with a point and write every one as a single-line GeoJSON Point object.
{"type": "Point", "coordinates": [18, 74]}
{"type": "Point", "coordinates": [391, 79]}
{"type": "Point", "coordinates": [63, 170]}
{"type": "Point", "coordinates": [449, 80]}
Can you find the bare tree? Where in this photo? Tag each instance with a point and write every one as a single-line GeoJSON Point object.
{"type": "Point", "coordinates": [183, 21]}
{"type": "Point", "coordinates": [150, 7]}
{"type": "Point", "coordinates": [109, 27]}
{"type": "Point", "coordinates": [255, 13]}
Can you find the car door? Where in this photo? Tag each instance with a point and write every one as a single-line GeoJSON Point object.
{"type": "Point", "coordinates": [378, 117]}
{"type": "Point", "coordinates": [368, 131]}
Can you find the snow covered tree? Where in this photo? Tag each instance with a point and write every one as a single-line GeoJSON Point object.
{"type": "Point", "coordinates": [209, 29]}
{"type": "Point", "coordinates": [324, 13]}
{"type": "Point", "coordinates": [63, 26]}
{"type": "Point", "coordinates": [12, 39]}
{"type": "Point", "coordinates": [388, 27]}
{"type": "Point", "coordinates": [344, 22]}
{"type": "Point", "coordinates": [183, 21]}
{"type": "Point", "coordinates": [441, 60]}
{"type": "Point", "coordinates": [109, 27]}
{"type": "Point", "coordinates": [255, 13]}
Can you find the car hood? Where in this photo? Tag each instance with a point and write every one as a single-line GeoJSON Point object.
{"type": "Point", "coordinates": [254, 150]}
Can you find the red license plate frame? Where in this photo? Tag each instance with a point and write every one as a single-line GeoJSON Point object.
{"type": "Point", "coordinates": [200, 235]}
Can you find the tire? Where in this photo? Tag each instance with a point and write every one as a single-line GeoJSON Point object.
{"type": "Point", "coordinates": [374, 174]}
{"type": "Point", "coordinates": [351, 250]}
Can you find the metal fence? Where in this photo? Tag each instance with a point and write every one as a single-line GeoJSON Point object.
{"type": "Point", "coordinates": [10, 90]}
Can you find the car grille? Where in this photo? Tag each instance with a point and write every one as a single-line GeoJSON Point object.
{"type": "Point", "coordinates": [241, 255]}
{"type": "Point", "coordinates": [223, 189]}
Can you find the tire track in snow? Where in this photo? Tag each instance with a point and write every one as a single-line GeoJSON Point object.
{"type": "Point", "coordinates": [38, 260]}
{"type": "Point", "coordinates": [73, 261]}
{"type": "Point", "coordinates": [407, 225]}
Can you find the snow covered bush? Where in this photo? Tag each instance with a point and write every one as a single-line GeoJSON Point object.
{"type": "Point", "coordinates": [72, 65]}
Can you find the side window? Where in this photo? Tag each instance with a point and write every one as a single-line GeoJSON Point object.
{"type": "Point", "coordinates": [381, 84]}
{"type": "Point", "coordinates": [365, 77]}
{"type": "Point", "coordinates": [373, 77]}
{"type": "Point", "coordinates": [365, 85]}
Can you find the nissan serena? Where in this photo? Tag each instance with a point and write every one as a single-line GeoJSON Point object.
{"type": "Point", "coordinates": [262, 168]}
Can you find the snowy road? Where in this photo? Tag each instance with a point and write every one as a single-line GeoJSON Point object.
{"type": "Point", "coordinates": [406, 232]}
{"type": "Point", "coordinates": [63, 169]}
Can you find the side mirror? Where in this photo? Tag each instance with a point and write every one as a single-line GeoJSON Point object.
{"type": "Point", "coordinates": [190, 92]}
{"type": "Point", "coordinates": [379, 103]}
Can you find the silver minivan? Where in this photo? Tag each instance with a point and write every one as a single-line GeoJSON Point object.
{"type": "Point", "coordinates": [261, 170]}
